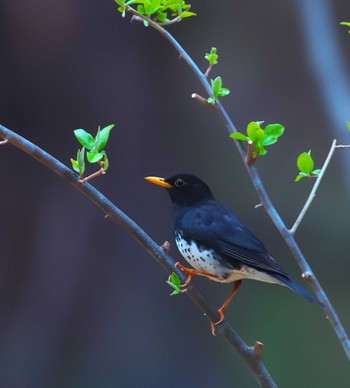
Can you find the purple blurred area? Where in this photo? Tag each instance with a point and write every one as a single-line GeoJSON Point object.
{"type": "Point", "coordinates": [81, 303]}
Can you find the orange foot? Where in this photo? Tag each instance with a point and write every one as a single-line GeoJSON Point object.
{"type": "Point", "coordinates": [190, 272]}
{"type": "Point", "coordinates": [223, 308]}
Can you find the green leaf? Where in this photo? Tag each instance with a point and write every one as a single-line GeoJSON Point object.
{"type": "Point", "coordinates": [105, 163]}
{"type": "Point", "coordinates": [276, 130]}
{"type": "Point", "coordinates": [316, 172]}
{"type": "Point", "coordinates": [224, 92]}
{"type": "Point", "coordinates": [187, 14]}
{"type": "Point", "coordinates": [298, 177]}
{"type": "Point", "coordinates": [175, 279]}
{"type": "Point", "coordinates": [84, 138]}
{"type": "Point", "coordinates": [94, 157]}
{"type": "Point", "coordinates": [103, 137]}
{"type": "Point", "coordinates": [211, 100]}
{"type": "Point", "coordinates": [239, 136]}
{"type": "Point", "coordinates": [216, 85]}
{"type": "Point", "coordinates": [75, 165]}
{"type": "Point", "coordinates": [79, 164]}
{"type": "Point", "coordinates": [255, 132]}
{"type": "Point", "coordinates": [346, 24]}
{"type": "Point", "coordinates": [268, 140]}
{"type": "Point", "coordinates": [175, 283]}
{"type": "Point", "coordinates": [305, 163]}
{"type": "Point", "coordinates": [348, 125]}
{"type": "Point", "coordinates": [212, 57]}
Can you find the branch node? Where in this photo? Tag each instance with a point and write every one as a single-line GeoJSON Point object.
{"type": "Point", "coordinates": [203, 101]}
{"type": "Point", "coordinates": [136, 19]}
{"type": "Point", "coordinates": [166, 247]}
{"type": "Point", "coordinates": [258, 349]}
{"type": "Point", "coordinates": [306, 275]}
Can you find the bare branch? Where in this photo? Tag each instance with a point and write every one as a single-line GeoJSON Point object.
{"type": "Point", "coordinates": [203, 101]}
{"type": "Point", "coordinates": [250, 158]}
{"type": "Point", "coordinates": [314, 189]}
{"type": "Point", "coordinates": [101, 171]}
{"type": "Point", "coordinates": [258, 349]}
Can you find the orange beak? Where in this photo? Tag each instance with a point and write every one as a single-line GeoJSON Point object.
{"type": "Point", "coordinates": [158, 181]}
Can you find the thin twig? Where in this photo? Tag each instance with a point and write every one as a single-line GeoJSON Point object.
{"type": "Point", "coordinates": [258, 348]}
{"type": "Point", "coordinates": [101, 171]}
{"type": "Point", "coordinates": [342, 146]}
{"type": "Point", "coordinates": [209, 69]}
{"type": "Point", "coordinates": [203, 101]}
{"type": "Point", "coordinates": [314, 189]}
{"type": "Point", "coordinates": [247, 353]}
{"type": "Point", "coordinates": [265, 200]}
{"type": "Point", "coordinates": [250, 157]}
{"type": "Point", "coordinates": [3, 142]}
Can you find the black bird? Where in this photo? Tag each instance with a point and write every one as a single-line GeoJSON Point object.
{"type": "Point", "coordinates": [215, 241]}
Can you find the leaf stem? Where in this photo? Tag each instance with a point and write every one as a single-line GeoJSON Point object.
{"type": "Point", "coordinates": [101, 171]}
{"type": "Point", "coordinates": [203, 101]}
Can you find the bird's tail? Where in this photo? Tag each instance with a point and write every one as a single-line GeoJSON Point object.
{"type": "Point", "coordinates": [295, 287]}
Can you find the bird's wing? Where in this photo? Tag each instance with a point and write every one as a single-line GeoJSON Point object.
{"type": "Point", "coordinates": [217, 227]}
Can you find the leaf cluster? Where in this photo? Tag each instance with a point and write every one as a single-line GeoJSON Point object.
{"type": "Point", "coordinates": [218, 90]}
{"type": "Point", "coordinates": [175, 283]}
{"type": "Point", "coordinates": [260, 137]}
{"type": "Point", "coordinates": [163, 11]}
{"type": "Point", "coordinates": [212, 57]}
{"type": "Point", "coordinates": [306, 166]}
{"type": "Point", "coordinates": [95, 149]}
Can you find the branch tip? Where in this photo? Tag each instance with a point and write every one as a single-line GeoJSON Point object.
{"type": "Point", "coordinates": [258, 349]}
{"type": "Point", "coordinates": [250, 158]}
{"type": "Point", "coordinates": [306, 275]}
{"type": "Point", "coordinates": [258, 205]}
{"type": "Point", "coordinates": [166, 246]}
{"type": "Point", "coordinates": [3, 142]}
{"type": "Point", "coordinates": [203, 101]}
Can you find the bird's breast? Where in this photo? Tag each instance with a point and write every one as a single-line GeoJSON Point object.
{"type": "Point", "coordinates": [201, 258]}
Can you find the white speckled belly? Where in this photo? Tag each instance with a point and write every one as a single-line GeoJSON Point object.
{"type": "Point", "coordinates": [204, 260]}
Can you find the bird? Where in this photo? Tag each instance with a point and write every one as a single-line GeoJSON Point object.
{"type": "Point", "coordinates": [216, 243]}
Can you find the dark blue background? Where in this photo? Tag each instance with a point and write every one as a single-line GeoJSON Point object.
{"type": "Point", "coordinates": [81, 303]}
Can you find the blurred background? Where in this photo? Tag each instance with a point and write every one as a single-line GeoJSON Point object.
{"type": "Point", "coordinates": [81, 303]}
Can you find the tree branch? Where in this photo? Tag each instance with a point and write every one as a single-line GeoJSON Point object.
{"type": "Point", "coordinates": [314, 189]}
{"type": "Point", "coordinates": [259, 187]}
{"type": "Point", "coordinates": [249, 354]}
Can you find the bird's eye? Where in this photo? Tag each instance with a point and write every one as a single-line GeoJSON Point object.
{"type": "Point", "coordinates": [179, 182]}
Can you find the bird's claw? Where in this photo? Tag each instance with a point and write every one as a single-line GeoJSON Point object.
{"type": "Point", "coordinates": [212, 325]}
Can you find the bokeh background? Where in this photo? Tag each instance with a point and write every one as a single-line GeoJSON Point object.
{"type": "Point", "coordinates": [81, 303]}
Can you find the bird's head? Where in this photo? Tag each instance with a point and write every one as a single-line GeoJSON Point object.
{"type": "Point", "coordinates": [184, 189]}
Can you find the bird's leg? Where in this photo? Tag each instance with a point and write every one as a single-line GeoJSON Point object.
{"type": "Point", "coordinates": [223, 308]}
{"type": "Point", "coordinates": [190, 272]}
